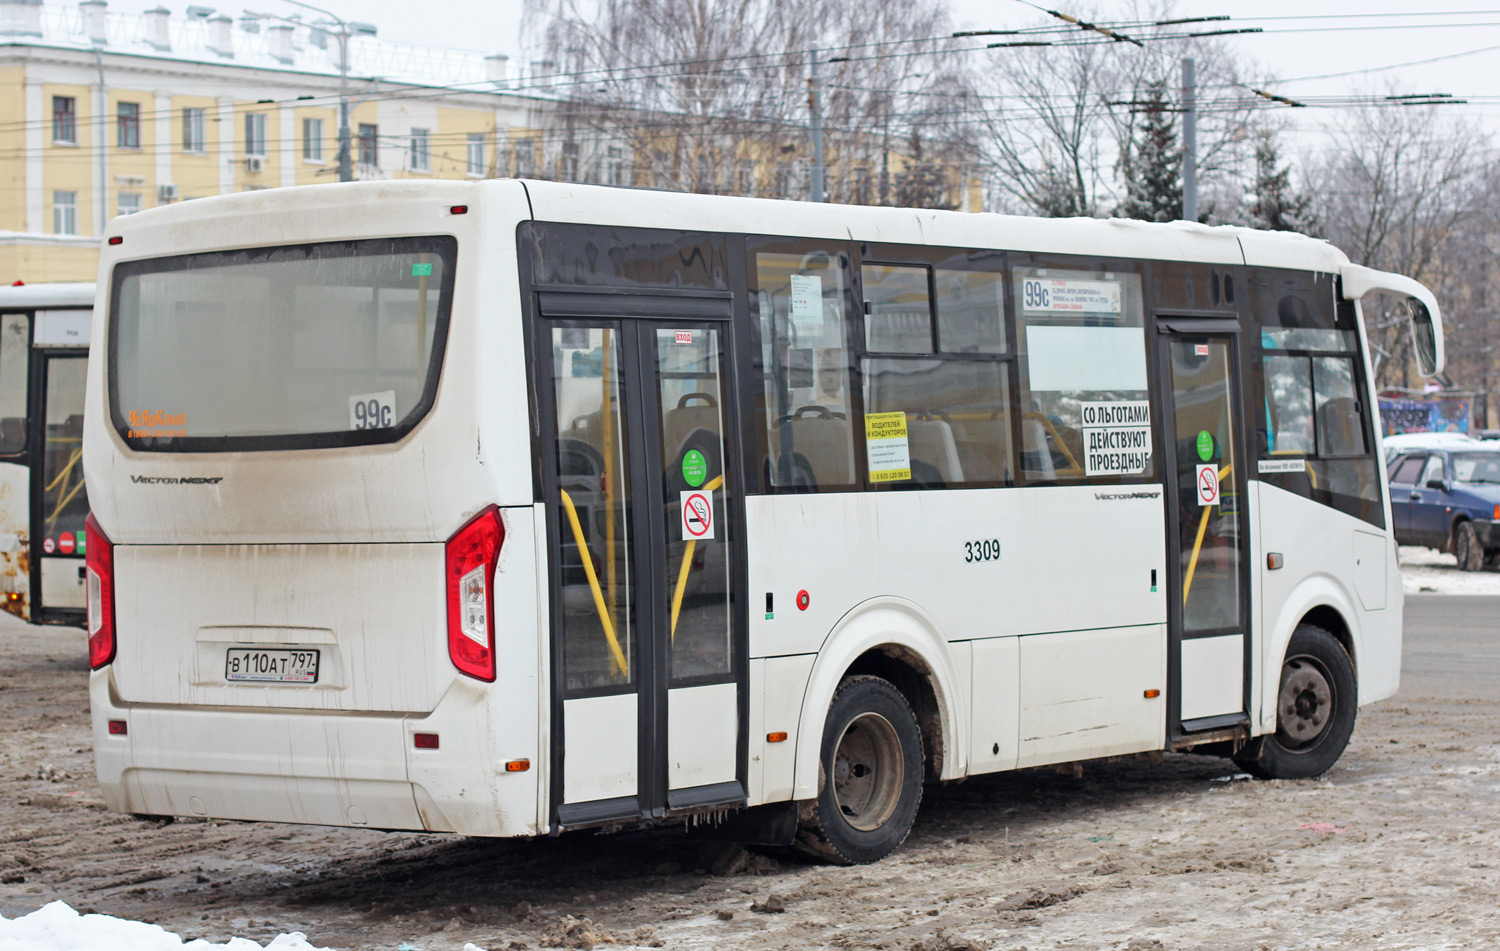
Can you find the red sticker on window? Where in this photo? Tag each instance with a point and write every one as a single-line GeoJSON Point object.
{"type": "Point", "coordinates": [684, 336]}
{"type": "Point", "coordinates": [65, 543]}
{"type": "Point", "coordinates": [1201, 349]}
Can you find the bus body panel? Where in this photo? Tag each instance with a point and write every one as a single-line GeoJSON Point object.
{"type": "Point", "coordinates": [784, 682]}
{"type": "Point", "coordinates": [332, 495]}
{"type": "Point", "coordinates": [323, 755]}
{"type": "Point", "coordinates": [15, 538]}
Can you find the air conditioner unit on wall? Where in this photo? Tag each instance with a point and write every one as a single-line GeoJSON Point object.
{"type": "Point", "coordinates": [167, 192]}
{"type": "Point", "coordinates": [255, 163]}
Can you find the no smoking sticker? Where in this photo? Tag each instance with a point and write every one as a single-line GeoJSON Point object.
{"type": "Point", "coordinates": [1206, 484]}
{"type": "Point", "coordinates": [697, 516]}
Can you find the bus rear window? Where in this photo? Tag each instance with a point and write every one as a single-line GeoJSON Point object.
{"type": "Point", "coordinates": [304, 346]}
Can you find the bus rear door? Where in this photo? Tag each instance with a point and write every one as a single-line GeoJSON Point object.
{"type": "Point", "coordinates": [641, 480]}
{"type": "Point", "coordinates": [59, 500]}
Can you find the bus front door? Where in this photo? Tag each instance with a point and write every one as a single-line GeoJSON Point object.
{"type": "Point", "coordinates": [59, 501]}
{"type": "Point", "coordinates": [1207, 587]}
{"type": "Point", "coordinates": [641, 481]}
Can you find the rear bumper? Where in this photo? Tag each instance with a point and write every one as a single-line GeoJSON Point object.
{"type": "Point", "coordinates": [335, 769]}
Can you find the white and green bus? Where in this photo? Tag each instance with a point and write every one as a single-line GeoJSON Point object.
{"type": "Point", "coordinates": [44, 346]}
{"type": "Point", "coordinates": [509, 508]}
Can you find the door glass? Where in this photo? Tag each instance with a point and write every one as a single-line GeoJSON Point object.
{"type": "Point", "coordinates": [15, 357]}
{"type": "Point", "coordinates": [64, 503]}
{"type": "Point", "coordinates": [690, 389]}
{"type": "Point", "coordinates": [596, 580]}
{"type": "Point", "coordinates": [1208, 496]}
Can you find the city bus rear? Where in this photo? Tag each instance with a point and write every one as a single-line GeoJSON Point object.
{"type": "Point", "coordinates": [311, 583]}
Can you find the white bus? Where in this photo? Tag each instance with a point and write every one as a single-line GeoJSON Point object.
{"type": "Point", "coordinates": [509, 508]}
{"type": "Point", "coordinates": [44, 340]}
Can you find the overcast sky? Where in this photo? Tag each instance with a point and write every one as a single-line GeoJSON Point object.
{"type": "Point", "coordinates": [1296, 43]}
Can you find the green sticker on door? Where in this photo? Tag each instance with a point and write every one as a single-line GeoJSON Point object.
{"type": "Point", "coordinates": [1205, 445]}
{"type": "Point", "coordinates": [694, 468]}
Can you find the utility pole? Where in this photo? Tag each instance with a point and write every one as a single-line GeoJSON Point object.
{"type": "Point", "coordinates": [815, 111]}
{"type": "Point", "coordinates": [1189, 142]}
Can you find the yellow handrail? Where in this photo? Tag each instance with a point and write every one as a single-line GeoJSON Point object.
{"type": "Point", "coordinates": [1073, 469]}
{"type": "Point", "coordinates": [1187, 581]}
{"type": "Point", "coordinates": [687, 564]}
{"type": "Point", "coordinates": [588, 569]}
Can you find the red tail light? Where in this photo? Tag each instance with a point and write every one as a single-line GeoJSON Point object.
{"type": "Point", "coordinates": [100, 560]}
{"type": "Point", "coordinates": [470, 557]}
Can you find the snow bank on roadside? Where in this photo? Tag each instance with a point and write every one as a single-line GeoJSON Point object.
{"type": "Point", "coordinates": [57, 927]}
{"type": "Point", "coordinates": [1427, 570]}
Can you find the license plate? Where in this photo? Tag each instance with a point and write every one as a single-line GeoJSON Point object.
{"type": "Point", "coordinates": [272, 666]}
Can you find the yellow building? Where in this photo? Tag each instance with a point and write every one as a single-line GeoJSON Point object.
{"type": "Point", "coordinates": [104, 114]}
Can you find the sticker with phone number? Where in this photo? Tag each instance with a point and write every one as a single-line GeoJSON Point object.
{"type": "Point", "coordinates": [373, 410]}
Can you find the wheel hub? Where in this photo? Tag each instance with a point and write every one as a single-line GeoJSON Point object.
{"type": "Point", "coordinates": [1305, 703]}
{"type": "Point", "coordinates": [868, 772]}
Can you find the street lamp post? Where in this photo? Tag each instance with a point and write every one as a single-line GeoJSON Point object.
{"type": "Point", "coordinates": [346, 30]}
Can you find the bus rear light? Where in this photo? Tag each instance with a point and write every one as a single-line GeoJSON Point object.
{"type": "Point", "coordinates": [99, 557]}
{"type": "Point", "coordinates": [118, 728]}
{"type": "Point", "coordinates": [470, 558]}
{"type": "Point", "coordinates": [425, 741]}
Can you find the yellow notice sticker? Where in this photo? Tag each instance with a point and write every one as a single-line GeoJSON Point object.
{"type": "Point", "coordinates": [889, 452]}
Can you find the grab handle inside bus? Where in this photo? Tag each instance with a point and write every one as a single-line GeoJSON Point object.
{"type": "Point", "coordinates": [588, 569]}
{"type": "Point", "coordinates": [687, 564]}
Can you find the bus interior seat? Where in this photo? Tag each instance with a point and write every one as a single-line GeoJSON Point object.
{"type": "Point", "coordinates": [686, 419]}
{"type": "Point", "coordinates": [823, 439]}
{"type": "Point", "coordinates": [13, 431]}
{"type": "Point", "coordinates": [984, 446]}
{"type": "Point", "coordinates": [931, 440]}
{"type": "Point", "coordinates": [1036, 455]}
{"type": "Point", "coordinates": [1340, 433]}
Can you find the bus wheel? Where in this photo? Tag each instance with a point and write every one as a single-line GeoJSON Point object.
{"type": "Point", "coordinates": [869, 775]}
{"type": "Point", "coordinates": [1314, 710]}
{"type": "Point", "coordinates": [1466, 547]}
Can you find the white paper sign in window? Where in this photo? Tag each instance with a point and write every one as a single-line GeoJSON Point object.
{"type": "Point", "coordinates": [373, 410]}
{"type": "Point", "coordinates": [1096, 359]}
{"type": "Point", "coordinates": [807, 300]}
{"type": "Point", "coordinates": [1056, 295]}
{"type": "Point", "coordinates": [1116, 437]}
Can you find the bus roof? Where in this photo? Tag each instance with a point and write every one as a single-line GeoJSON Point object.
{"type": "Point", "coordinates": [33, 296]}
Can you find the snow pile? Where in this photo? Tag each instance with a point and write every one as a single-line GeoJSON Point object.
{"type": "Point", "coordinates": [57, 927]}
{"type": "Point", "coordinates": [1423, 570]}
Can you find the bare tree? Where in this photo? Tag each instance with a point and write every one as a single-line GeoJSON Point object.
{"type": "Point", "coordinates": [1404, 190]}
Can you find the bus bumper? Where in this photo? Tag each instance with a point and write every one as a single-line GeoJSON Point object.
{"type": "Point", "coordinates": [335, 769]}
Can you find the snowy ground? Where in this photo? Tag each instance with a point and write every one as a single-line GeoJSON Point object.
{"type": "Point", "coordinates": [1426, 569]}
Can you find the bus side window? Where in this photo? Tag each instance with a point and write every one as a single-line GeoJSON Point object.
{"type": "Point", "coordinates": [803, 304]}
{"type": "Point", "coordinates": [15, 343]}
{"type": "Point", "coordinates": [1085, 409]}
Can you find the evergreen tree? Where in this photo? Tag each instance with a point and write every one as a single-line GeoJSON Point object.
{"type": "Point", "coordinates": [1059, 196]}
{"type": "Point", "coordinates": [1153, 176]}
{"type": "Point", "coordinates": [922, 184]}
{"type": "Point", "coordinates": [1276, 207]}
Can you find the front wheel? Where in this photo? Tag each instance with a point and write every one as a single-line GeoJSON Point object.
{"type": "Point", "coordinates": [1466, 546]}
{"type": "Point", "coordinates": [870, 775]}
{"type": "Point", "coordinates": [1315, 707]}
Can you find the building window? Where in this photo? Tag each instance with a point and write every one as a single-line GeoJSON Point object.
{"type": "Point", "coordinates": [476, 154]}
{"type": "Point", "coordinates": [568, 164]}
{"type": "Point", "coordinates": [193, 137]}
{"type": "Point", "coordinates": [65, 119]}
{"type": "Point", "coordinates": [130, 203]}
{"type": "Point", "coordinates": [525, 158]}
{"type": "Point", "coordinates": [128, 125]}
{"type": "Point", "coordinates": [312, 140]}
{"type": "Point", "coordinates": [255, 133]}
{"type": "Point", "coordinates": [369, 149]}
{"type": "Point", "coordinates": [64, 212]}
{"type": "Point", "coordinates": [614, 165]}
{"type": "Point", "coordinates": [421, 159]}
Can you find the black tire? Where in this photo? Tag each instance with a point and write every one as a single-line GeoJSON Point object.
{"type": "Point", "coordinates": [1315, 707]}
{"type": "Point", "coordinates": [1466, 547]}
{"type": "Point", "coordinates": [869, 776]}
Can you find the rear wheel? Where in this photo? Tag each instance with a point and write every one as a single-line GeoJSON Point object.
{"type": "Point", "coordinates": [1466, 547]}
{"type": "Point", "coordinates": [870, 775]}
{"type": "Point", "coordinates": [1315, 707]}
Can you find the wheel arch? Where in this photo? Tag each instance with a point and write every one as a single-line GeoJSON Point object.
{"type": "Point", "coordinates": [1320, 600]}
{"type": "Point", "coordinates": [895, 640]}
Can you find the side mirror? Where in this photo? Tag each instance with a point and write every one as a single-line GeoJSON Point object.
{"type": "Point", "coordinates": [1437, 484]}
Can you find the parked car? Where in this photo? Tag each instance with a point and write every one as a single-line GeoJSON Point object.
{"type": "Point", "coordinates": [1448, 498]}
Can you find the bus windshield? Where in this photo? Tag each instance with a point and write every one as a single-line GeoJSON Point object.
{"type": "Point", "coordinates": [279, 348]}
